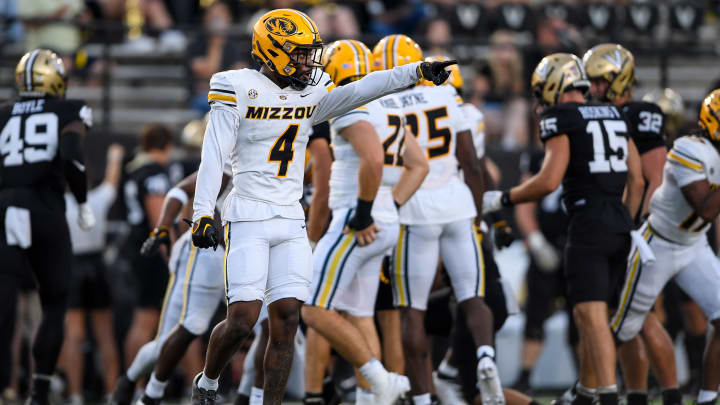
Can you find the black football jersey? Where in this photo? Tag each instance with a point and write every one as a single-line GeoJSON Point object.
{"type": "Point", "coordinates": [29, 142]}
{"type": "Point", "coordinates": [143, 178]}
{"type": "Point", "coordinates": [646, 123]}
{"type": "Point", "coordinates": [551, 217]}
{"type": "Point", "coordinates": [180, 169]}
{"type": "Point", "coordinates": [597, 171]}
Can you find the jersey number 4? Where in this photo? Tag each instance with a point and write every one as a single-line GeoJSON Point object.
{"type": "Point", "coordinates": [611, 130]}
{"type": "Point", "coordinates": [40, 139]}
{"type": "Point", "coordinates": [283, 150]}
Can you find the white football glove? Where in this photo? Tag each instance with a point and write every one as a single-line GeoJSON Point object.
{"type": "Point", "coordinates": [86, 219]}
{"type": "Point", "coordinates": [545, 255]}
{"type": "Point", "coordinates": [492, 201]}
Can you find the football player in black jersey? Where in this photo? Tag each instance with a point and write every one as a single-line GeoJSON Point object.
{"type": "Point", "coordinates": [588, 149]}
{"type": "Point", "coordinates": [40, 153]}
{"type": "Point", "coordinates": [611, 70]}
{"type": "Point", "coordinates": [146, 183]}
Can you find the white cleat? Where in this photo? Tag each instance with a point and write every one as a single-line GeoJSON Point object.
{"type": "Point", "coordinates": [394, 387]}
{"type": "Point", "coordinates": [448, 391]}
{"type": "Point", "coordinates": [489, 382]}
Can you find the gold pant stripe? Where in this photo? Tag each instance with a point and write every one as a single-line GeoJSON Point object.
{"type": "Point", "coordinates": [225, 262]}
{"type": "Point", "coordinates": [477, 239]}
{"type": "Point", "coordinates": [188, 273]}
{"type": "Point", "coordinates": [332, 275]}
{"type": "Point", "coordinates": [629, 283]}
{"type": "Point", "coordinates": [399, 266]}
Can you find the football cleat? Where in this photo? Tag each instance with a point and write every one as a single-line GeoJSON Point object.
{"type": "Point", "coordinates": [448, 390]}
{"type": "Point", "coordinates": [394, 387]}
{"type": "Point", "coordinates": [146, 400]}
{"type": "Point", "coordinates": [201, 396]}
{"type": "Point", "coordinates": [124, 392]}
{"type": "Point", "coordinates": [489, 382]}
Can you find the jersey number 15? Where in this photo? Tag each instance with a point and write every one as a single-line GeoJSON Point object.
{"type": "Point", "coordinates": [615, 160]}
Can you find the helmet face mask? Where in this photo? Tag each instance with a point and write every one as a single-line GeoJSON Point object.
{"type": "Point", "coordinates": [304, 67]}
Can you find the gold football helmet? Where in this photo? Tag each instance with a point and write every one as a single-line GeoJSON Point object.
{"type": "Point", "coordinates": [41, 73]}
{"type": "Point", "coordinates": [285, 39]}
{"type": "Point", "coordinates": [556, 74]}
{"type": "Point", "coordinates": [455, 78]}
{"type": "Point", "coordinates": [346, 61]}
{"type": "Point", "coordinates": [194, 132]}
{"type": "Point", "coordinates": [671, 105]}
{"type": "Point", "coordinates": [395, 50]}
{"type": "Point", "coordinates": [710, 115]}
{"type": "Point", "coordinates": [613, 63]}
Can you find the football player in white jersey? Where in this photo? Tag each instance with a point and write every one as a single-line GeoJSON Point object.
{"type": "Point", "coordinates": [260, 121]}
{"type": "Point", "coordinates": [438, 221]}
{"type": "Point", "coordinates": [681, 211]}
{"type": "Point", "coordinates": [366, 185]}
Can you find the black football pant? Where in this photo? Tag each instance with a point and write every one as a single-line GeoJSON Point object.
{"type": "Point", "coordinates": [49, 259]}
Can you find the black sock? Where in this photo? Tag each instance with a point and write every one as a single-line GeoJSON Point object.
{"type": "Point", "coordinates": [434, 400]}
{"type": "Point", "coordinates": [608, 398]}
{"type": "Point", "coordinates": [582, 399]}
{"type": "Point", "coordinates": [637, 398]}
{"type": "Point", "coordinates": [314, 398]}
{"type": "Point", "coordinates": [40, 388]}
{"type": "Point", "coordinates": [525, 374]}
{"type": "Point", "coordinates": [672, 396]}
{"type": "Point", "coordinates": [695, 348]}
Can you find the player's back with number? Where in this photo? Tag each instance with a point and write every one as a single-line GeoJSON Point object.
{"type": "Point", "coordinates": [597, 170]}
{"type": "Point", "coordinates": [30, 139]}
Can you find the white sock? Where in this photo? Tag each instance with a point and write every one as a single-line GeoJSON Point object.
{"type": "Point", "coordinates": [144, 361]}
{"type": "Point", "coordinates": [423, 399]}
{"type": "Point", "coordinates": [374, 372]}
{"type": "Point", "coordinates": [447, 369]}
{"type": "Point", "coordinates": [208, 384]}
{"type": "Point", "coordinates": [705, 396]}
{"type": "Point", "coordinates": [363, 396]}
{"type": "Point", "coordinates": [485, 350]}
{"type": "Point", "coordinates": [155, 388]}
{"type": "Point", "coordinates": [256, 396]}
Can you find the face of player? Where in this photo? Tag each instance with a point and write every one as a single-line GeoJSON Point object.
{"type": "Point", "coordinates": [305, 61]}
{"type": "Point", "coordinates": [598, 87]}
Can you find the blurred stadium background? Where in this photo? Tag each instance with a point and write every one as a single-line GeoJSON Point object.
{"type": "Point", "coordinates": [138, 62]}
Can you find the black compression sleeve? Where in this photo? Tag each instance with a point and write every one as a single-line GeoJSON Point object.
{"type": "Point", "coordinates": [72, 153]}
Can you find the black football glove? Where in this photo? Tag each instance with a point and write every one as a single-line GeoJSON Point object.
{"type": "Point", "coordinates": [502, 235]}
{"type": "Point", "coordinates": [362, 218]}
{"type": "Point", "coordinates": [158, 236]}
{"type": "Point", "coordinates": [204, 233]}
{"type": "Point", "coordinates": [435, 71]}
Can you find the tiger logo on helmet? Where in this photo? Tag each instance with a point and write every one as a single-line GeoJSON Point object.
{"type": "Point", "coordinates": [395, 50]}
{"type": "Point", "coordinates": [556, 74]}
{"type": "Point", "coordinates": [710, 116]}
{"type": "Point", "coordinates": [41, 73]}
{"type": "Point", "coordinates": [288, 42]}
{"type": "Point", "coordinates": [614, 64]}
{"type": "Point", "coordinates": [347, 60]}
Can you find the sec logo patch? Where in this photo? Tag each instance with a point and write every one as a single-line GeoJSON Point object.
{"type": "Point", "coordinates": [252, 94]}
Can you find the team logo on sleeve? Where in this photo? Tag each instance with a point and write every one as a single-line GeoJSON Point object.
{"type": "Point", "coordinates": [281, 26]}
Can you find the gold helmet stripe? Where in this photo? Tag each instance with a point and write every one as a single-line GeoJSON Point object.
{"type": "Point", "coordinates": [388, 51]}
{"type": "Point", "coordinates": [396, 43]}
{"type": "Point", "coordinates": [357, 53]}
{"type": "Point", "coordinates": [29, 70]}
{"type": "Point", "coordinates": [308, 21]}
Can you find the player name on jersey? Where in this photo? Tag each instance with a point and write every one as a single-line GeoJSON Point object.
{"type": "Point", "coordinates": [279, 113]}
{"type": "Point", "coordinates": [599, 112]}
{"type": "Point", "coordinates": [28, 107]}
{"type": "Point", "coordinates": [411, 99]}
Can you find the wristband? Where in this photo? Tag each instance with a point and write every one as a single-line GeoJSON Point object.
{"type": "Point", "coordinates": [505, 199]}
{"type": "Point", "coordinates": [363, 209]}
{"type": "Point", "coordinates": [178, 194]}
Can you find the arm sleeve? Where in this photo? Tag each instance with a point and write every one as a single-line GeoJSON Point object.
{"type": "Point", "coordinates": [74, 162]}
{"type": "Point", "coordinates": [217, 146]}
{"type": "Point", "coordinates": [685, 164]}
{"type": "Point", "coordinates": [375, 85]}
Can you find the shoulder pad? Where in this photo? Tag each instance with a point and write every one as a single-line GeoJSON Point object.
{"type": "Point", "coordinates": [562, 119]}
{"type": "Point", "coordinates": [689, 151]}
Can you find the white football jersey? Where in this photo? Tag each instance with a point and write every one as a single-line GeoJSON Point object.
{"type": "Point", "coordinates": [386, 116]}
{"type": "Point", "coordinates": [434, 115]}
{"type": "Point", "coordinates": [263, 131]}
{"type": "Point", "coordinates": [691, 159]}
{"type": "Point", "coordinates": [476, 120]}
